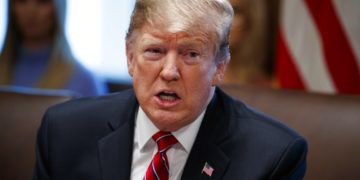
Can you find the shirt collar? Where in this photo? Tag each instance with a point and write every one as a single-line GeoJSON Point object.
{"type": "Point", "coordinates": [145, 129]}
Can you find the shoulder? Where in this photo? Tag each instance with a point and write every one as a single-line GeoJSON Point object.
{"type": "Point", "coordinates": [258, 141]}
{"type": "Point", "coordinates": [70, 132]}
{"type": "Point", "coordinates": [80, 123]}
{"type": "Point", "coordinates": [260, 131]}
{"type": "Point", "coordinates": [253, 121]}
{"type": "Point", "coordinates": [91, 110]}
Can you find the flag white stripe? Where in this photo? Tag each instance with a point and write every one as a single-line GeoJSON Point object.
{"type": "Point", "coordinates": [306, 47]}
{"type": "Point", "coordinates": [349, 16]}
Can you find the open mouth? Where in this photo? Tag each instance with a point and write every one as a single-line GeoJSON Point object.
{"type": "Point", "coordinates": [168, 96]}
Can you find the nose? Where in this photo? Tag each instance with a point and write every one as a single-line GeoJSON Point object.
{"type": "Point", "coordinates": [170, 71]}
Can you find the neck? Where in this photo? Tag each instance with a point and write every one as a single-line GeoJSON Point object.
{"type": "Point", "coordinates": [33, 44]}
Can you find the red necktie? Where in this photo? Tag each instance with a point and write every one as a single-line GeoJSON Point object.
{"type": "Point", "coordinates": [159, 166]}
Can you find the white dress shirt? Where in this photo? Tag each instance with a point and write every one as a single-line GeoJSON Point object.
{"type": "Point", "coordinates": [145, 148]}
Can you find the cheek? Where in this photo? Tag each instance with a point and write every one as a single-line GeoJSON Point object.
{"type": "Point", "coordinates": [140, 67]}
{"type": "Point", "coordinates": [199, 81]}
{"type": "Point", "coordinates": [47, 16]}
{"type": "Point", "coordinates": [19, 12]}
{"type": "Point", "coordinates": [144, 73]}
{"type": "Point", "coordinates": [144, 76]}
{"type": "Point", "coordinates": [147, 67]}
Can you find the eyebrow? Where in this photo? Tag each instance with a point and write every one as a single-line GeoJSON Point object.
{"type": "Point", "coordinates": [184, 41]}
{"type": "Point", "coordinates": [192, 44]}
{"type": "Point", "coordinates": [151, 40]}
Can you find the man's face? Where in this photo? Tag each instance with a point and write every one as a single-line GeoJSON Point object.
{"type": "Point", "coordinates": [174, 75]}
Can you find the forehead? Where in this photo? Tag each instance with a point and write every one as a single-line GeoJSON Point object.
{"type": "Point", "coordinates": [149, 35]}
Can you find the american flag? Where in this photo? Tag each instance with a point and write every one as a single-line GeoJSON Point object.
{"type": "Point", "coordinates": [208, 170]}
{"type": "Point", "coordinates": [318, 46]}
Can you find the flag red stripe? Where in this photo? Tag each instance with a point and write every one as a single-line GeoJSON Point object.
{"type": "Point", "coordinates": [340, 58]}
{"type": "Point", "coordinates": [286, 71]}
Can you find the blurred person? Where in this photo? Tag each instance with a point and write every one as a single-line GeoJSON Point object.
{"type": "Point", "coordinates": [249, 38]}
{"type": "Point", "coordinates": [36, 52]}
{"type": "Point", "coordinates": [175, 123]}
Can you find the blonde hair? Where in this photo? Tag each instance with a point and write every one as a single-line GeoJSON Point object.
{"type": "Point", "coordinates": [61, 63]}
{"type": "Point", "coordinates": [205, 16]}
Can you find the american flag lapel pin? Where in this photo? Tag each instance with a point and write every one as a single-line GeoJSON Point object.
{"type": "Point", "coordinates": [208, 170]}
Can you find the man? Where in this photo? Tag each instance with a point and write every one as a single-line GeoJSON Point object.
{"type": "Point", "coordinates": [175, 123]}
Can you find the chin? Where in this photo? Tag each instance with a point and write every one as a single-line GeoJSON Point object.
{"type": "Point", "coordinates": [168, 121]}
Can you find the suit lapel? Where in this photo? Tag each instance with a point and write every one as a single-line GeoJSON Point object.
{"type": "Point", "coordinates": [115, 152]}
{"type": "Point", "coordinates": [203, 153]}
{"type": "Point", "coordinates": [207, 145]}
{"type": "Point", "coordinates": [115, 149]}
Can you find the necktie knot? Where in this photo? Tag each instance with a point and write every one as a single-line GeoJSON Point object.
{"type": "Point", "coordinates": [164, 140]}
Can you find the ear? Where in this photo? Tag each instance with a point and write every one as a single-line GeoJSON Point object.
{"type": "Point", "coordinates": [219, 73]}
{"type": "Point", "coordinates": [130, 59]}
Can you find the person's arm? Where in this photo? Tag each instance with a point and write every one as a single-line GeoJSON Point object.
{"type": "Point", "coordinates": [292, 164]}
{"type": "Point", "coordinates": [41, 169]}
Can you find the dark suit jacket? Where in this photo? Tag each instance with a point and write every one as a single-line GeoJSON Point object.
{"type": "Point", "coordinates": [93, 139]}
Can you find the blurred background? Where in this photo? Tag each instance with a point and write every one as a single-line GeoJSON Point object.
{"type": "Point", "coordinates": [107, 21]}
{"type": "Point", "coordinates": [95, 30]}
{"type": "Point", "coordinates": [303, 45]}
{"type": "Point", "coordinates": [295, 60]}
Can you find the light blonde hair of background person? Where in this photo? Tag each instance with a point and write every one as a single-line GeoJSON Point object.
{"type": "Point", "coordinates": [193, 17]}
{"type": "Point", "coordinates": [61, 62]}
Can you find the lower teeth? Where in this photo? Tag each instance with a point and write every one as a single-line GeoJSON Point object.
{"type": "Point", "coordinates": [167, 98]}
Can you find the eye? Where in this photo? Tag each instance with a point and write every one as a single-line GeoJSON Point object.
{"type": "Point", "coordinates": [192, 56]}
{"type": "Point", "coordinates": [153, 53]}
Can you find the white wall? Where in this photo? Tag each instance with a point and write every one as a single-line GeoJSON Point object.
{"type": "Point", "coordinates": [3, 13]}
